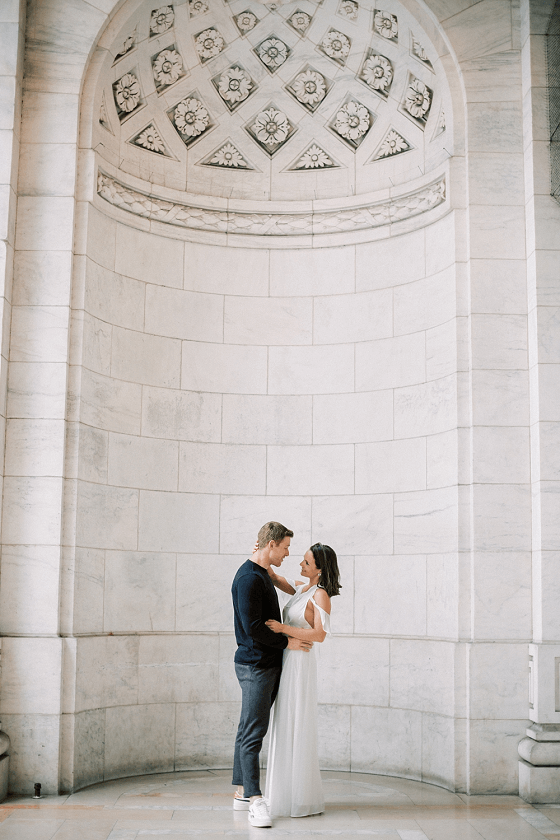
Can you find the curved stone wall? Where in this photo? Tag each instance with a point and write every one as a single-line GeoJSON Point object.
{"type": "Point", "coordinates": [219, 387]}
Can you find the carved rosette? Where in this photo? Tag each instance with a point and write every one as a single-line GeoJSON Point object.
{"type": "Point", "coordinates": [336, 45]}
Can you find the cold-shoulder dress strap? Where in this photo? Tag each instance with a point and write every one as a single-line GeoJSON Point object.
{"type": "Point", "coordinates": [324, 616]}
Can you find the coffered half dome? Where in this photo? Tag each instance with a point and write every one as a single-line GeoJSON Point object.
{"type": "Point", "coordinates": [273, 101]}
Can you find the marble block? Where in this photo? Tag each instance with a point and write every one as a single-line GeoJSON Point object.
{"type": "Point", "coordinates": [539, 784]}
{"type": "Point", "coordinates": [205, 734]}
{"type": "Point", "coordinates": [387, 741]}
{"type": "Point", "coordinates": [147, 257]}
{"type": "Point", "coordinates": [181, 415]}
{"type": "Point", "coordinates": [34, 751]}
{"type": "Point", "coordinates": [178, 669]}
{"type": "Point", "coordinates": [239, 271]}
{"type": "Point", "coordinates": [334, 736]}
{"type": "Point", "coordinates": [317, 271]}
{"type": "Point", "coordinates": [341, 660]}
{"type": "Point", "coordinates": [139, 739]}
{"type": "Point", "coordinates": [394, 261]}
{"type": "Point", "coordinates": [139, 591]}
{"type": "Point", "coordinates": [4, 775]}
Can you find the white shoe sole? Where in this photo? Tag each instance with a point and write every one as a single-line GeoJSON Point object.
{"type": "Point", "coordinates": [260, 822]}
{"type": "Point", "coordinates": [240, 804]}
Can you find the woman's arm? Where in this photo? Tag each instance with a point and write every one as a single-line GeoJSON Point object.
{"type": "Point", "coordinates": [281, 582]}
{"type": "Point", "coordinates": [314, 634]}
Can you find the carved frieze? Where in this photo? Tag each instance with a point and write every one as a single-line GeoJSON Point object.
{"type": "Point", "coordinates": [263, 223]}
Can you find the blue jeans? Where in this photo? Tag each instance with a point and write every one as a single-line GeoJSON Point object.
{"type": "Point", "coordinates": [259, 687]}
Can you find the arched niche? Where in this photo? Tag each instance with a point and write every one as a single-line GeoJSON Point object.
{"type": "Point", "coordinates": [258, 342]}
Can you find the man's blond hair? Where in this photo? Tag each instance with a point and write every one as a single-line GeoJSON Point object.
{"type": "Point", "coordinates": [273, 531]}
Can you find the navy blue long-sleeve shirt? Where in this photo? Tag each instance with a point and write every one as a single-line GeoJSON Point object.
{"type": "Point", "coordinates": [255, 602]}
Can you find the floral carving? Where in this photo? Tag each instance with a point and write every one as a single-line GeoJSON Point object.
{"type": "Point", "coordinates": [191, 118]}
{"type": "Point", "coordinates": [270, 128]}
{"type": "Point", "coordinates": [161, 20]}
{"type": "Point", "coordinates": [336, 45]}
{"type": "Point", "coordinates": [314, 158]}
{"type": "Point", "coordinates": [209, 44]}
{"type": "Point", "coordinates": [273, 53]}
{"type": "Point", "coordinates": [193, 217]}
{"type": "Point", "coordinates": [417, 100]}
{"type": "Point", "coordinates": [127, 46]}
{"type": "Point", "coordinates": [127, 94]}
{"type": "Point", "coordinates": [386, 25]}
{"type": "Point", "coordinates": [377, 73]}
{"type": "Point", "coordinates": [151, 140]}
{"type": "Point", "coordinates": [392, 144]}
{"type": "Point", "coordinates": [246, 21]}
{"type": "Point", "coordinates": [197, 7]}
{"type": "Point", "coordinates": [309, 87]}
{"type": "Point", "coordinates": [352, 121]}
{"type": "Point", "coordinates": [348, 9]}
{"type": "Point", "coordinates": [228, 156]}
{"type": "Point", "coordinates": [234, 85]}
{"type": "Point", "coordinates": [300, 21]}
{"type": "Point", "coordinates": [167, 67]}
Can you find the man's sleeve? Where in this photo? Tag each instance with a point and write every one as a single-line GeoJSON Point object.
{"type": "Point", "coordinates": [250, 594]}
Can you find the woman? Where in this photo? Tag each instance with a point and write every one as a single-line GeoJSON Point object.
{"type": "Point", "coordinates": [293, 780]}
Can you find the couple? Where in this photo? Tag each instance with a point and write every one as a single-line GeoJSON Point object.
{"type": "Point", "coordinates": [275, 661]}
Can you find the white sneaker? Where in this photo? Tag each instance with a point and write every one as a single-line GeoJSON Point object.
{"type": "Point", "coordinates": [259, 815]}
{"type": "Point", "coordinates": [241, 803]}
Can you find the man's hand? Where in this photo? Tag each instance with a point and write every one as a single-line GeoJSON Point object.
{"type": "Point", "coordinates": [297, 644]}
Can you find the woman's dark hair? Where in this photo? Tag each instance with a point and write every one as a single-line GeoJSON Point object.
{"type": "Point", "coordinates": [325, 560]}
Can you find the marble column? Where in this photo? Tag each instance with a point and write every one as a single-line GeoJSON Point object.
{"type": "Point", "coordinates": [12, 41]}
{"type": "Point", "coordinates": [539, 764]}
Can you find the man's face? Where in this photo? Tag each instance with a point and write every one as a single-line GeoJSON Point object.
{"type": "Point", "coordinates": [279, 550]}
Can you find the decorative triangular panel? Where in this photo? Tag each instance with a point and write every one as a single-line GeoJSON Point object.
{"type": "Point", "coordinates": [127, 46]}
{"type": "Point", "coordinates": [440, 127]}
{"type": "Point", "coordinates": [313, 158]}
{"type": "Point", "coordinates": [227, 156]}
{"type": "Point", "coordinates": [392, 144]}
{"type": "Point", "coordinates": [418, 51]}
{"type": "Point", "coordinates": [103, 116]}
{"type": "Point", "coordinates": [150, 140]}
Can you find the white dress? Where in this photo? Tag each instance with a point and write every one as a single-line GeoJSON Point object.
{"type": "Point", "coordinates": [293, 780]}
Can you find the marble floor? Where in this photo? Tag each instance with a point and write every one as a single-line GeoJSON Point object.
{"type": "Point", "coordinates": [190, 805]}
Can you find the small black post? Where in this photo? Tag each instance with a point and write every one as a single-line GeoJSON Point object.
{"type": "Point", "coordinates": [37, 794]}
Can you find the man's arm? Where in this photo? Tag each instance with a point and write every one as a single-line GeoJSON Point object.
{"type": "Point", "coordinates": [250, 592]}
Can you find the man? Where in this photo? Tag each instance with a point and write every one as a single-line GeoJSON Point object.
{"type": "Point", "coordinates": [258, 663]}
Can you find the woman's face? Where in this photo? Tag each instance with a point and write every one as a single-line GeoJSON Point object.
{"type": "Point", "coordinates": [307, 565]}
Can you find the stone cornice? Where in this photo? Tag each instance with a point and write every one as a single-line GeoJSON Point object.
{"type": "Point", "coordinates": [258, 222]}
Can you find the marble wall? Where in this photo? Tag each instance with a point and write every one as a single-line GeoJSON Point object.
{"type": "Point", "coordinates": [219, 387]}
{"type": "Point", "coordinates": [170, 390]}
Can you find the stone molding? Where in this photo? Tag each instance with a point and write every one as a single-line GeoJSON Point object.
{"type": "Point", "coordinates": [260, 223]}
